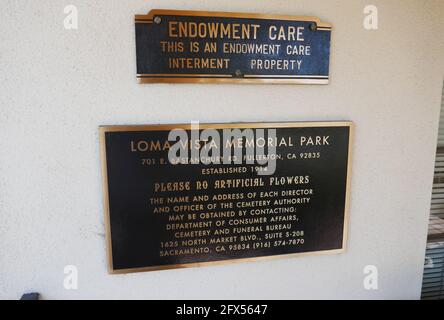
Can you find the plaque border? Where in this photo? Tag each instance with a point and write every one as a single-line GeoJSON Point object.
{"type": "Point", "coordinates": [228, 78]}
{"type": "Point", "coordinates": [103, 129]}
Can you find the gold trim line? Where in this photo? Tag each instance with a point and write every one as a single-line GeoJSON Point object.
{"type": "Point", "coordinates": [221, 14]}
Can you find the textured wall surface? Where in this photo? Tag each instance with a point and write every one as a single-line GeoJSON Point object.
{"type": "Point", "coordinates": [57, 86]}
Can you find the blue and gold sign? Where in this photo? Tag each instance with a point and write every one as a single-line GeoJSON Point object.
{"type": "Point", "coordinates": [221, 47]}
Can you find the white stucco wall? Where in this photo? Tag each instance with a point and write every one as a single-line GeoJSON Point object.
{"type": "Point", "coordinates": [57, 86]}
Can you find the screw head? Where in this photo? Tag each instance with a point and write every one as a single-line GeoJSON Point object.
{"type": "Point", "coordinates": [313, 26]}
{"type": "Point", "coordinates": [157, 19]}
{"type": "Point", "coordinates": [238, 73]}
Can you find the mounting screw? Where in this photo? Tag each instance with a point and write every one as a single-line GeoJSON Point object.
{"type": "Point", "coordinates": [238, 73]}
{"type": "Point", "coordinates": [313, 26]}
{"type": "Point", "coordinates": [157, 19]}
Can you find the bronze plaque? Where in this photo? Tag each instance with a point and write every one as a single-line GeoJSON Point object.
{"type": "Point", "coordinates": [187, 195]}
{"type": "Point", "coordinates": [226, 47]}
